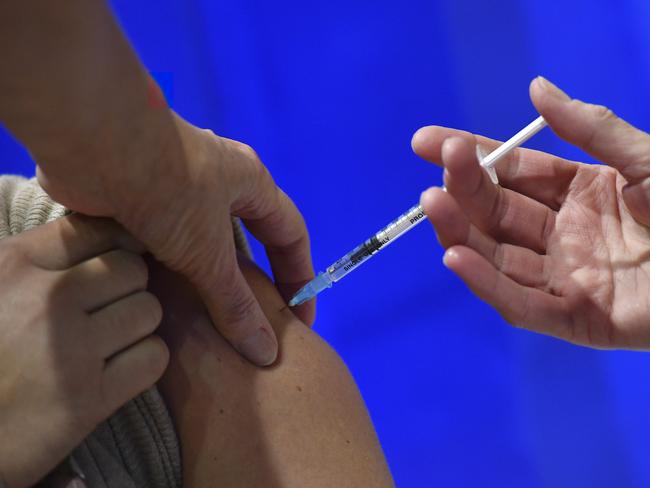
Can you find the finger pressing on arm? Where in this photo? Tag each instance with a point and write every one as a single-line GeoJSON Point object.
{"type": "Point", "coordinates": [235, 309]}
{"type": "Point", "coordinates": [273, 218]}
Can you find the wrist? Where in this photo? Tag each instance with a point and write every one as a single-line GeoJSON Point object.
{"type": "Point", "coordinates": [158, 169]}
{"type": "Point", "coordinates": [93, 158]}
{"type": "Point", "coordinates": [117, 168]}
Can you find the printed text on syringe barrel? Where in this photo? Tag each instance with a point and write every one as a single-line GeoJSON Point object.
{"type": "Point", "coordinates": [381, 239]}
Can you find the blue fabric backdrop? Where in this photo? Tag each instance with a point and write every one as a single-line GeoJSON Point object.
{"type": "Point", "coordinates": [329, 94]}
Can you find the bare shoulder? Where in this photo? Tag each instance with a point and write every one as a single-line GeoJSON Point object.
{"type": "Point", "coordinates": [301, 422]}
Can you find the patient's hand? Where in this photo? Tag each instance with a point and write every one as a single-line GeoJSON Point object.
{"type": "Point", "coordinates": [75, 339]}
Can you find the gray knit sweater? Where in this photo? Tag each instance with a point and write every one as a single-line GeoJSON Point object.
{"type": "Point", "coordinates": [137, 446]}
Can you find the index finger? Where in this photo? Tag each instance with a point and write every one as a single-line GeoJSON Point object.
{"type": "Point", "coordinates": [272, 217]}
{"type": "Point", "coordinates": [75, 238]}
{"type": "Point", "coordinates": [536, 174]}
{"type": "Point", "coordinates": [282, 229]}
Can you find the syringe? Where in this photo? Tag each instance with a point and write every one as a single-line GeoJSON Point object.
{"type": "Point", "coordinates": [403, 223]}
{"type": "Point", "coordinates": [359, 255]}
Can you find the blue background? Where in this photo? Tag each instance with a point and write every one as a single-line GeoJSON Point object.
{"type": "Point", "coordinates": [329, 94]}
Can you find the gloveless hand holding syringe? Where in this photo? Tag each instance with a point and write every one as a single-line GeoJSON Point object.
{"type": "Point", "coordinates": [404, 222]}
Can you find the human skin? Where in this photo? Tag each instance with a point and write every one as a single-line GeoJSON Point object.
{"type": "Point", "coordinates": [74, 92]}
{"type": "Point", "coordinates": [76, 343]}
{"type": "Point", "coordinates": [558, 247]}
{"type": "Point", "coordinates": [301, 422]}
{"type": "Point", "coordinates": [76, 339]}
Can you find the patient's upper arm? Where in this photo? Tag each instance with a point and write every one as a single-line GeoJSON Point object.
{"type": "Point", "coordinates": [298, 423]}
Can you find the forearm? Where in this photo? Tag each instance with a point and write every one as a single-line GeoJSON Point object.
{"type": "Point", "coordinates": [73, 91]}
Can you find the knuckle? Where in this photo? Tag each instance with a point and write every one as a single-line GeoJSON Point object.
{"type": "Point", "coordinates": [499, 258]}
{"type": "Point", "coordinates": [255, 167]}
{"type": "Point", "coordinates": [497, 214]}
{"type": "Point", "coordinates": [246, 167]}
{"type": "Point", "coordinates": [133, 266]}
{"type": "Point", "coordinates": [599, 119]}
{"type": "Point", "coordinates": [248, 152]}
{"type": "Point", "coordinates": [241, 149]}
{"type": "Point", "coordinates": [601, 113]}
{"type": "Point", "coordinates": [157, 356]}
{"type": "Point", "coordinates": [150, 310]}
{"type": "Point", "coordinates": [237, 306]}
{"type": "Point", "coordinates": [209, 132]}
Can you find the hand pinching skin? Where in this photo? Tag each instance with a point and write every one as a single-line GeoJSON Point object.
{"type": "Point", "coordinates": [76, 338]}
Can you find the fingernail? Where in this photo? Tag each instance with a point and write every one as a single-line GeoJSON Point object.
{"type": "Point", "coordinates": [426, 195]}
{"type": "Point", "coordinates": [446, 147]}
{"type": "Point", "coordinates": [449, 254]}
{"type": "Point", "coordinates": [445, 178]}
{"type": "Point", "coordinates": [259, 348]}
{"type": "Point", "coordinates": [415, 140]}
{"type": "Point", "coordinates": [551, 89]}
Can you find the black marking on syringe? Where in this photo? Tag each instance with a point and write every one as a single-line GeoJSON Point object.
{"type": "Point", "coordinates": [413, 220]}
{"type": "Point", "coordinates": [371, 246]}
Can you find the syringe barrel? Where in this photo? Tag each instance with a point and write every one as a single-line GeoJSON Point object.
{"type": "Point", "coordinates": [372, 246]}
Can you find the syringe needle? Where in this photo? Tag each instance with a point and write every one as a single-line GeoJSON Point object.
{"type": "Point", "coordinates": [360, 254]}
{"type": "Point", "coordinates": [404, 223]}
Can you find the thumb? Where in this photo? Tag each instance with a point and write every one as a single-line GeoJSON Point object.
{"type": "Point", "coordinates": [600, 133]}
{"type": "Point", "coordinates": [238, 316]}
